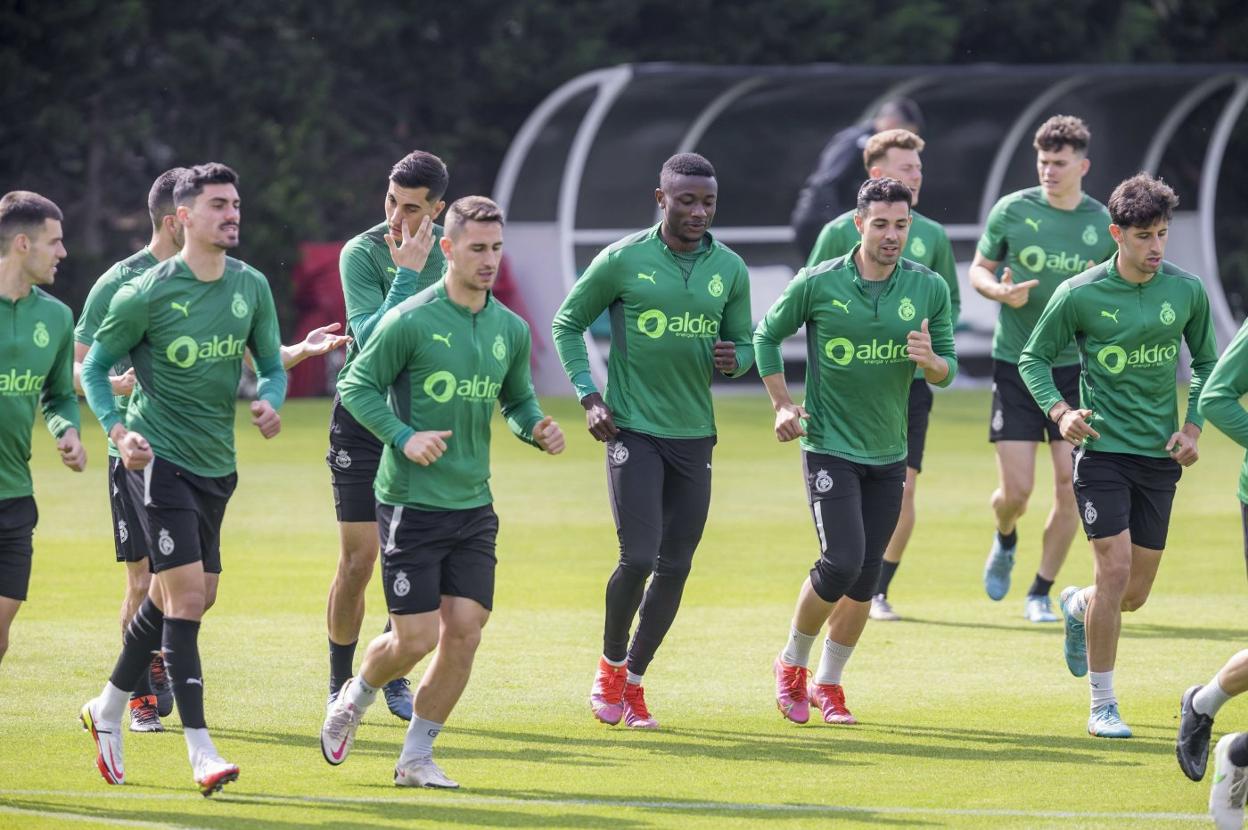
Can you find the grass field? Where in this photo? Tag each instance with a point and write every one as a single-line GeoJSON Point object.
{"type": "Point", "coordinates": [969, 717]}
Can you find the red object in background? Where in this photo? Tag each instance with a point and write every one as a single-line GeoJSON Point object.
{"type": "Point", "coordinates": [318, 301]}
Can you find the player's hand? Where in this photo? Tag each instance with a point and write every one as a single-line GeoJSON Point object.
{"type": "Point", "coordinates": [122, 384]}
{"type": "Point", "coordinates": [1182, 448]}
{"type": "Point", "coordinates": [789, 422]}
{"type": "Point", "coordinates": [598, 417]}
{"type": "Point", "coordinates": [266, 418]}
{"type": "Point", "coordinates": [323, 340]}
{"type": "Point", "coordinates": [73, 455]}
{"type": "Point", "coordinates": [725, 356]}
{"type": "Point", "coordinates": [426, 447]}
{"type": "Point", "coordinates": [1075, 426]}
{"type": "Point", "coordinates": [1015, 296]}
{"type": "Point", "coordinates": [549, 436]}
{"type": "Point", "coordinates": [135, 452]}
{"type": "Point", "coordinates": [919, 348]}
{"type": "Point", "coordinates": [412, 252]}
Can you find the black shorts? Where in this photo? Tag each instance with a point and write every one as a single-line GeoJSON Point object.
{"type": "Point", "coordinates": [353, 457]}
{"type": "Point", "coordinates": [125, 499]}
{"type": "Point", "coordinates": [18, 518]}
{"type": "Point", "coordinates": [428, 554]}
{"type": "Point", "coordinates": [184, 512]}
{"type": "Point", "coordinates": [919, 412]}
{"type": "Point", "coordinates": [1015, 414]}
{"type": "Point", "coordinates": [1118, 491]}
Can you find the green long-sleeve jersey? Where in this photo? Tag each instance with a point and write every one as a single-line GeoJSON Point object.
{"type": "Point", "coordinates": [36, 367]}
{"type": "Point", "coordinates": [926, 244]}
{"type": "Point", "coordinates": [1040, 242]}
{"type": "Point", "coordinates": [1219, 399]}
{"type": "Point", "coordinates": [858, 371]}
{"type": "Point", "coordinates": [1127, 336]}
{"type": "Point", "coordinates": [664, 325]}
{"type": "Point", "coordinates": [443, 367]}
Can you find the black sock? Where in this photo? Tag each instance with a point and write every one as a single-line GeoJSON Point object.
{"type": "Point", "coordinates": [142, 637]}
{"type": "Point", "coordinates": [340, 660]}
{"type": "Point", "coordinates": [181, 647]}
{"type": "Point", "coordinates": [144, 687]}
{"type": "Point", "coordinates": [1040, 587]}
{"type": "Point", "coordinates": [624, 590]}
{"type": "Point", "coordinates": [1008, 541]}
{"type": "Point", "coordinates": [887, 570]}
{"type": "Point", "coordinates": [1239, 750]}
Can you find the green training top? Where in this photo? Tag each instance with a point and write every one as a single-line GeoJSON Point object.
{"type": "Point", "coordinates": [96, 307]}
{"type": "Point", "coordinates": [442, 367]}
{"type": "Point", "coordinates": [1219, 399]}
{"type": "Point", "coordinates": [37, 365]}
{"type": "Point", "coordinates": [372, 285]}
{"type": "Point", "coordinates": [858, 373]}
{"type": "Point", "coordinates": [1127, 337]}
{"type": "Point", "coordinates": [1040, 242]}
{"type": "Point", "coordinates": [927, 244]}
{"type": "Point", "coordinates": [663, 330]}
{"type": "Point", "coordinates": [187, 338]}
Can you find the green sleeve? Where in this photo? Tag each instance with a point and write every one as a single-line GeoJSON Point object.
{"type": "Point", "coordinates": [364, 388]}
{"type": "Point", "coordinates": [738, 325]}
{"type": "Point", "coordinates": [60, 402]}
{"type": "Point", "coordinates": [265, 342]}
{"type": "Point", "coordinates": [829, 244]}
{"type": "Point", "coordinates": [517, 398]}
{"type": "Point", "coordinates": [1053, 331]}
{"type": "Point", "coordinates": [594, 291]}
{"type": "Point", "coordinates": [784, 318]}
{"type": "Point", "coordinates": [1219, 398]}
{"type": "Point", "coordinates": [992, 243]}
{"type": "Point", "coordinates": [123, 327]}
{"type": "Point", "coordinates": [940, 328]}
{"type": "Point", "coordinates": [945, 265]}
{"type": "Point", "coordinates": [98, 389]}
{"type": "Point", "coordinates": [93, 310]}
{"type": "Point", "coordinates": [1202, 343]}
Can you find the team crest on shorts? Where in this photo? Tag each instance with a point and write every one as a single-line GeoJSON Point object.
{"type": "Point", "coordinates": [165, 543]}
{"type": "Point", "coordinates": [998, 420]}
{"type": "Point", "coordinates": [41, 336]}
{"type": "Point", "coordinates": [906, 310]}
{"type": "Point", "coordinates": [123, 532]}
{"type": "Point", "coordinates": [1167, 314]}
{"type": "Point", "coordinates": [342, 459]}
{"type": "Point", "coordinates": [401, 584]}
{"type": "Point", "coordinates": [1089, 514]}
{"type": "Point", "coordinates": [239, 306]}
{"type": "Point", "coordinates": [716, 286]}
{"type": "Point", "coordinates": [500, 348]}
{"type": "Point", "coordinates": [617, 453]}
{"type": "Point", "coordinates": [823, 482]}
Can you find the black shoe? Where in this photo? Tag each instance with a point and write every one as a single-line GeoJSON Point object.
{"type": "Point", "coordinates": [1192, 745]}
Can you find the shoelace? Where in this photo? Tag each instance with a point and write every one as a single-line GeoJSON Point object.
{"type": "Point", "coordinates": [836, 695]}
{"type": "Point", "coordinates": [794, 678]}
{"type": "Point", "coordinates": [635, 696]}
{"type": "Point", "coordinates": [612, 683]}
{"type": "Point", "coordinates": [159, 676]}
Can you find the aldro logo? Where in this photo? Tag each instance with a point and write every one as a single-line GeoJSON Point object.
{"type": "Point", "coordinates": [843, 352]}
{"type": "Point", "coordinates": [185, 352]}
{"type": "Point", "coordinates": [26, 383]}
{"type": "Point", "coordinates": [442, 386]}
{"type": "Point", "coordinates": [1116, 359]}
{"type": "Point", "coordinates": [654, 324]}
{"type": "Point", "coordinates": [1035, 259]}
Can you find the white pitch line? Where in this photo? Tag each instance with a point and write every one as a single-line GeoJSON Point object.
{"type": "Point", "coordinates": [716, 806]}
{"type": "Point", "coordinates": [114, 822]}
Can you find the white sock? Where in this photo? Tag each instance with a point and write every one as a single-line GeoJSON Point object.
{"type": "Point", "coordinates": [418, 743]}
{"type": "Point", "coordinates": [634, 678]}
{"type": "Point", "coordinates": [1102, 686]}
{"type": "Point", "coordinates": [113, 702]}
{"type": "Point", "coordinates": [361, 695]}
{"type": "Point", "coordinates": [616, 663]}
{"type": "Point", "coordinates": [1078, 605]}
{"type": "Point", "coordinates": [835, 656]}
{"type": "Point", "coordinates": [797, 650]}
{"type": "Point", "coordinates": [198, 744]}
{"type": "Point", "coordinates": [1210, 698]}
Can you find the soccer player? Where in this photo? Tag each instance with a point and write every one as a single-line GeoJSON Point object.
{"type": "Point", "coordinates": [443, 357]}
{"type": "Point", "coordinates": [895, 154]}
{"type": "Point", "coordinates": [1042, 235]}
{"type": "Point", "coordinates": [380, 268]}
{"type": "Point", "coordinates": [679, 303]}
{"type": "Point", "coordinates": [1127, 317]}
{"type": "Point", "coordinates": [185, 324]}
{"type": "Point", "coordinates": [36, 343]}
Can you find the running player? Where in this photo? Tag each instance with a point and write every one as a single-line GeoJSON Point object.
{"type": "Point", "coordinates": [185, 324]}
{"type": "Point", "coordinates": [380, 268]}
{"type": "Point", "coordinates": [1127, 317]}
{"type": "Point", "coordinates": [870, 318]}
{"type": "Point", "coordinates": [895, 154]}
{"type": "Point", "coordinates": [679, 303]}
{"type": "Point", "coordinates": [36, 359]}
{"type": "Point", "coordinates": [1044, 235]}
{"type": "Point", "coordinates": [443, 357]}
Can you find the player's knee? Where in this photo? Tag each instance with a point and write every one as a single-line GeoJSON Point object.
{"type": "Point", "coordinates": [461, 640]}
{"type": "Point", "coordinates": [830, 578]}
{"type": "Point", "coordinates": [678, 569]}
{"type": "Point", "coordinates": [1014, 498]}
{"type": "Point", "coordinates": [1134, 601]}
{"type": "Point", "coordinates": [1112, 579]}
{"type": "Point", "coordinates": [357, 569]}
{"type": "Point", "coordinates": [414, 645]}
{"type": "Point", "coordinates": [637, 564]}
{"type": "Point", "coordinates": [864, 588]}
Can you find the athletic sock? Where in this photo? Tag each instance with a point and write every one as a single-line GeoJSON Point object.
{"type": "Point", "coordinates": [1102, 685]}
{"type": "Point", "coordinates": [1238, 754]}
{"type": "Point", "coordinates": [616, 663]}
{"type": "Point", "coordinates": [797, 650]}
{"type": "Point", "coordinates": [340, 660]}
{"type": "Point", "coordinates": [418, 742]}
{"type": "Point", "coordinates": [143, 636]}
{"type": "Point", "coordinates": [1078, 605]}
{"type": "Point", "coordinates": [361, 695]}
{"type": "Point", "coordinates": [112, 703]}
{"type": "Point", "coordinates": [887, 570]}
{"type": "Point", "coordinates": [832, 664]}
{"type": "Point", "coordinates": [181, 648]}
{"type": "Point", "coordinates": [1040, 587]}
{"type": "Point", "coordinates": [1008, 540]}
{"type": "Point", "coordinates": [634, 678]}
{"type": "Point", "coordinates": [1209, 699]}
{"type": "Point", "coordinates": [198, 744]}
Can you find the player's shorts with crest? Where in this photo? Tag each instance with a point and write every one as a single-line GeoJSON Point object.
{"type": "Point", "coordinates": [125, 500]}
{"type": "Point", "coordinates": [428, 553]}
{"type": "Point", "coordinates": [18, 517]}
{"type": "Point", "coordinates": [353, 457]}
{"type": "Point", "coordinates": [1015, 414]}
{"type": "Point", "coordinates": [183, 513]}
{"type": "Point", "coordinates": [1119, 491]}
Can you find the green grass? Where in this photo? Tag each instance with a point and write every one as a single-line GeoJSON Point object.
{"type": "Point", "coordinates": [964, 706]}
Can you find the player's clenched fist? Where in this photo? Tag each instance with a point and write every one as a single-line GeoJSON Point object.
{"type": "Point", "coordinates": [789, 422]}
{"type": "Point", "coordinates": [548, 435]}
{"type": "Point", "coordinates": [266, 419]}
{"type": "Point", "coordinates": [426, 447]}
{"type": "Point", "coordinates": [133, 448]}
{"type": "Point", "coordinates": [73, 455]}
